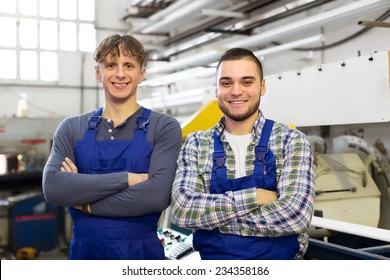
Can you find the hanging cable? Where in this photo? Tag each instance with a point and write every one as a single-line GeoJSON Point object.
{"type": "Point", "coordinates": [342, 41]}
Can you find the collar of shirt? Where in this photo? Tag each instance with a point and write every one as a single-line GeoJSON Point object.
{"type": "Point", "coordinates": [256, 131]}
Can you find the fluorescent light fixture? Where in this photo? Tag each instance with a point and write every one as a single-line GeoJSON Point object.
{"type": "Point", "coordinates": [290, 45]}
{"type": "Point", "coordinates": [178, 76]}
{"type": "Point", "coordinates": [298, 3]}
{"type": "Point", "coordinates": [189, 44]}
{"type": "Point", "coordinates": [204, 71]}
{"type": "Point", "coordinates": [220, 13]}
{"type": "Point", "coordinates": [177, 5]}
{"type": "Point", "coordinates": [284, 47]}
{"type": "Point", "coordinates": [207, 71]}
{"type": "Point", "coordinates": [159, 101]}
{"type": "Point", "coordinates": [344, 12]}
{"type": "Point", "coordinates": [176, 15]}
{"type": "Point", "coordinates": [161, 14]}
{"type": "Point", "coordinates": [187, 61]}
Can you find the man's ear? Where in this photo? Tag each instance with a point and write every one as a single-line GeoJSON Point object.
{"type": "Point", "coordinates": [263, 87]}
{"type": "Point", "coordinates": [97, 73]}
{"type": "Point", "coordinates": [142, 75]}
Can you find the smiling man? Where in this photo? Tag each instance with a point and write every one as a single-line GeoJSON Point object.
{"type": "Point", "coordinates": [114, 167]}
{"type": "Point", "coordinates": [246, 186]}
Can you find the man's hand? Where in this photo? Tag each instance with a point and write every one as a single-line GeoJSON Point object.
{"type": "Point", "coordinates": [69, 166]}
{"type": "Point", "coordinates": [265, 196]}
{"type": "Point", "coordinates": [135, 178]}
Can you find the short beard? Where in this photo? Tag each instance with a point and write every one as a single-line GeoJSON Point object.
{"type": "Point", "coordinates": [238, 118]}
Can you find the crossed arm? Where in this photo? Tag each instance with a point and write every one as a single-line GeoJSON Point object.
{"type": "Point", "coordinates": [133, 179]}
{"type": "Point", "coordinates": [195, 208]}
{"type": "Point", "coordinates": [117, 194]}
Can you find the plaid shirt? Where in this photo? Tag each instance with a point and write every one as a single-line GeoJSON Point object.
{"type": "Point", "coordinates": [237, 212]}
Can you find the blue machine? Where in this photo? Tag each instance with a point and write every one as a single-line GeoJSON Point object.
{"type": "Point", "coordinates": [32, 222]}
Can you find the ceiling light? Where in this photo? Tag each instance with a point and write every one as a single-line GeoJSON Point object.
{"type": "Point", "coordinates": [160, 101]}
{"type": "Point", "coordinates": [219, 13]}
{"type": "Point", "coordinates": [189, 44]}
{"type": "Point", "coordinates": [298, 3]}
{"type": "Point", "coordinates": [187, 61]}
{"type": "Point", "coordinates": [190, 9]}
{"type": "Point", "coordinates": [161, 14]}
{"type": "Point", "coordinates": [178, 76]}
{"type": "Point", "coordinates": [344, 12]}
{"type": "Point", "coordinates": [290, 45]}
{"type": "Point", "coordinates": [210, 70]}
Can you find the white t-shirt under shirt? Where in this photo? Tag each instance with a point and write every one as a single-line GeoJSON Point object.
{"type": "Point", "coordinates": [239, 144]}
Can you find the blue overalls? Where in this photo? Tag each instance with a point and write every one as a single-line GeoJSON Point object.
{"type": "Point", "coordinates": [214, 245]}
{"type": "Point", "coordinates": [114, 238]}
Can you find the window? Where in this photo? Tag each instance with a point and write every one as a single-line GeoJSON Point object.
{"type": "Point", "coordinates": [28, 65]}
{"type": "Point", "coordinates": [68, 36]}
{"type": "Point", "coordinates": [8, 30]}
{"type": "Point", "coordinates": [48, 35]}
{"type": "Point", "coordinates": [28, 32]}
{"type": "Point", "coordinates": [49, 72]}
{"type": "Point", "coordinates": [8, 67]}
{"type": "Point", "coordinates": [86, 35]}
{"type": "Point", "coordinates": [8, 7]}
{"type": "Point", "coordinates": [34, 32]}
{"type": "Point", "coordinates": [28, 7]}
{"type": "Point", "coordinates": [48, 8]}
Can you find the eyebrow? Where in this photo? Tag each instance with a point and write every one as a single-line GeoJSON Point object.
{"type": "Point", "coordinates": [225, 78]}
{"type": "Point", "coordinates": [242, 78]}
{"type": "Point", "coordinates": [248, 77]}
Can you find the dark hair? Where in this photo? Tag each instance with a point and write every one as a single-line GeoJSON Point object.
{"type": "Point", "coordinates": [115, 44]}
{"type": "Point", "coordinates": [241, 53]}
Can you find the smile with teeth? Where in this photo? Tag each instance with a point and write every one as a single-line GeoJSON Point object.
{"type": "Point", "coordinates": [237, 102]}
{"type": "Point", "coordinates": [119, 85]}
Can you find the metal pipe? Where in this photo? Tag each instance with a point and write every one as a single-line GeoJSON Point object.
{"type": "Point", "coordinates": [319, 233]}
{"type": "Point", "coordinates": [355, 229]}
{"type": "Point", "coordinates": [374, 23]}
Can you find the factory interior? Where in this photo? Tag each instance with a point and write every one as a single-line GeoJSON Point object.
{"type": "Point", "coordinates": [327, 68]}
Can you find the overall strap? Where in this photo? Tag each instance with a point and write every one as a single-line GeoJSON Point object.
{"type": "Point", "coordinates": [93, 122]}
{"type": "Point", "coordinates": [261, 150]}
{"type": "Point", "coordinates": [143, 121]}
{"type": "Point", "coordinates": [142, 126]}
{"type": "Point", "coordinates": [219, 158]}
{"type": "Point", "coordinates": [140, 132]}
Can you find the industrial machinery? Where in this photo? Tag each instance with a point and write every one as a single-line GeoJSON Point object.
{"type": "Point", "coordinates": [352, 218]}
{"type": "Point", "coordinates": [377, 166]}
{"type": "Point", "coordinates": [28, 223]}
{"type": "Point", "coordinates": [345, 190]}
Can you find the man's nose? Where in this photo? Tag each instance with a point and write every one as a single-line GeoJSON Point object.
{"type": "Point", "coordinates": [236, 89]}
{"type": "Point", "coordinates": [120, 71]}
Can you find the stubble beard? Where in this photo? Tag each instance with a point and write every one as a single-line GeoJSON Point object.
{"type": "Point", "coordinates": [239, 117]}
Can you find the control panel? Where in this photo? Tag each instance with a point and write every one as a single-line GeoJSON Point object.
{"type": "Point", "coordinates": [177, 246]}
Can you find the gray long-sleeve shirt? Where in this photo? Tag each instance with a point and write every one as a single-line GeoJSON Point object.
{"type": "Point", "coordinates": [109, 194]}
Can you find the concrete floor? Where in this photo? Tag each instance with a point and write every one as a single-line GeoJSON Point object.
{"type": "Point", "coordinates": [55, 254]}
